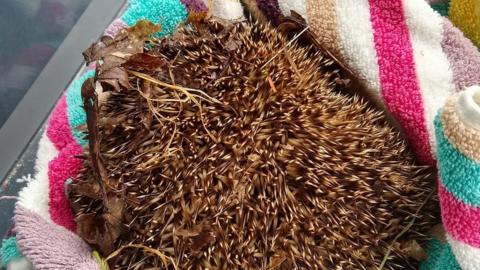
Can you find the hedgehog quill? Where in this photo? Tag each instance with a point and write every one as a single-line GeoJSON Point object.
{"type": "Point", "coordinates": [227, 146]}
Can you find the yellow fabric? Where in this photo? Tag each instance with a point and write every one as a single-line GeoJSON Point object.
{"type": "Point", "coordinates": [465, 14]}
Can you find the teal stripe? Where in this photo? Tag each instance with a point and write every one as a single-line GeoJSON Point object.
{"type": "Point", "coordinates": [75, 113]}
{"type": "Point", "coordinates": [441, 8]}
{"type": "Point", "coordinates": [167, 13]}
{"type": "Point", "coordinates": [458, 173]}
{"type": "Point", "coordinates": [9, 251]}
{"type": "Point", "coordinates": [440, 257]}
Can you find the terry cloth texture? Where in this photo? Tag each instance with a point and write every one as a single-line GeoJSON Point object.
{"type": "Point", "coordinates": [465, 14]}
{"type": "Point", "coordinates": [35, 195]}
{"type": "Point", "coordinates": [49, 246]}
{"type": "Point", "coordinates": [458, 136]}
{"type": "Point", "coordinates": [115, 27]}
{"type": "Point", "coordinates": [167, 13]}
{"type": "Point", "coordinates": [195, 6]}
{"type": "Point", "coordinates": [405, 54]}
{"type": "Point", "coordinates": [463, 56]}
{"type": "Point", "coordinates": [9, 251]}
{"type": "Point", "coordinates": [441, 8]}
{"type": "Point", "coordinates": [20, 264]}
{"type": "Point", "coordinates": [440, 256]}
{"type": "Point", "coordinates": [271, 9]}
{"type": "Point", "coordinates": [392, 45]}
{"type": "Point", "coordinates": [226, 9]}
{"type": "Point", "coordinates": [76, 115]}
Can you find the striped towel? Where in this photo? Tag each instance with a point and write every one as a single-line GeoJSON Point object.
{"type": "Point", "coordinates": [407, 56]}
{"type": "Point", "coordinates": [412, 60]}
{"type": "Point", "coordinates": [403, 52]}
{"type": "Point", "coordinates": [457, 129]}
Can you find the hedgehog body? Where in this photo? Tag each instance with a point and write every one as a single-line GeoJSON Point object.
{"type": "Point", "coordinates": [247, 158]}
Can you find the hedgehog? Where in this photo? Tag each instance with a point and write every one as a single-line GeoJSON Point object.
{"type": "Point", "coordinates": [229, 146]}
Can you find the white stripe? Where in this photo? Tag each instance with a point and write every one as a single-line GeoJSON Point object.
{"type": "Point", "coordinates": [299, 6]}
{"type": "Point", "coordinates": [433, 69]}
{"type": "Point", "coordinates": [356, 37]}
{"type": "Point", "coordinates": [35, 195]}
{"type": "Point", "coordinates": [468, 257]}
{"type": "Point", "coordinates": [225, 9]}
{"type": "Point", "coordinates": [20, 264]}
{"type": "Point", "coordinates": [357, 43]}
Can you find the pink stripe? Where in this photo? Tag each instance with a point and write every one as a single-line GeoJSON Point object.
{"type": "Point", "coordinates": [58, 128]}
{"type": "Point", "coordinates": [92, 66]}
{"type": "Point", "coordinates": [116, 26]}
{"type": "Point", "coordinates": [64, 166]}
{"type": "Point", "coordinates": [399, 85]}
{"type": "Point", "coordinates": [461, 221]}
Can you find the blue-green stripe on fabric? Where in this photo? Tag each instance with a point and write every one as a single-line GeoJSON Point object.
{"type": "Point", "coordinates": [458, 173]}
{"type": "Point", "coordinates": [440, 257]}
{"type": "Point", "coordinates": [9, 251]}
{"type": "Point", "coordinates": [441, 8]}
{"type": "Point", "coordinates": [167, 13]}
{"type": "Point", "coordinates": [75, 113]}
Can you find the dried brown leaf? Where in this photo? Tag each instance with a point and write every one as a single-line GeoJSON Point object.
{"type": "Point", "coordinates": [197, 19]}
{"type": "Point", "coordinates": [115, 205]}
{"type": "Point", "coordinates": [116, 77]}
{"type": "Point", "coordinates": [143, 29]}
{"type": "Point", "coordinates": [90, 190]}
{"type": "Point", "coordinates": [144, 61]}
{"type": "Point", "coordinates": [90, 105]}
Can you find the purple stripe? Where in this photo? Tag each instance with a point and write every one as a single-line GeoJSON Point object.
{"type": "Point", "coordinates": [463, 56]}
{"type": "Point", "coordinates": [195, 5]}
{"type": "Point", "coordinates": [271, 9]}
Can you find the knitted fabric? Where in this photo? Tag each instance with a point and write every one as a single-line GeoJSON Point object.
{"type": "Point", "coordinates": [9, 251]}
{"type": "Point", "coordinates": [407, 56]}
{"type": "Point", "coordinates": [465, 14]}
{"type": "Point", "coordinates": [49, 246]}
